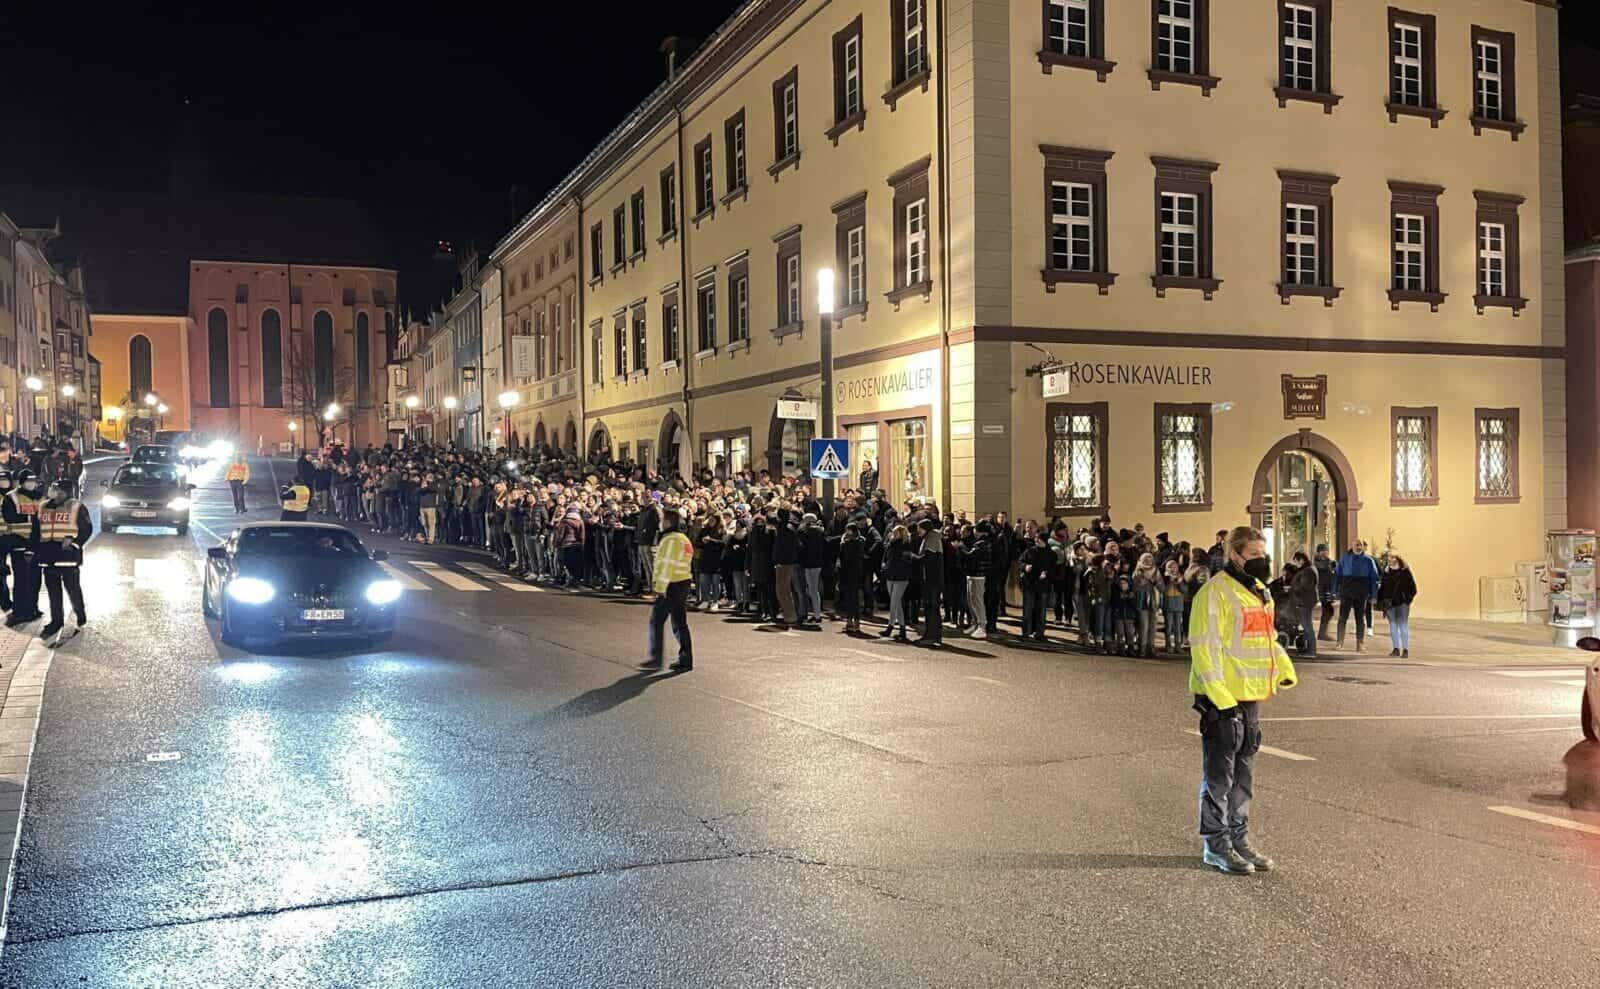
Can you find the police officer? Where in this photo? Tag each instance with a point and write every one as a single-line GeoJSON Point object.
{"type": "Point", "coordinates": [674, 559]}
{"type": "Point", "coordinates": [295, 498]}
{"type": "Point", "coordinates": [1235, 663]}
{"type": "Point", "coordinates": [61, 528]}
{"type": "Point", "coordinates": [6, 467]}
{"type": "Point", "coordinates": [18, 511]}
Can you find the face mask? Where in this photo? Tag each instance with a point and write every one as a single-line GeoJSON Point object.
{"type": "Point", "coordinates": [1259, 568]}
{"type": "Point", "coordinates": [30, 485]}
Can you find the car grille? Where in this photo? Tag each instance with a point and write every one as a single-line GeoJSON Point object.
{"type": "Point", "coordinates": [321, 597]}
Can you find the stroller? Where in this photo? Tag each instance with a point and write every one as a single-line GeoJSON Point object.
{"type": "Point", "coordinates": [1285, 622]}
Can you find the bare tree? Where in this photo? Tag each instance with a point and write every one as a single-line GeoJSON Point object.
{"type": "Point", "coordinates": [307, 393]}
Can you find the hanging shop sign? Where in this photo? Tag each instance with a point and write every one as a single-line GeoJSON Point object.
{"type": "Point", "coordinates": [789, 408]}
{"type": "Point", "coordinates": [1305, 398]}
{"type": "Point", "coordinates": [1057, 383]}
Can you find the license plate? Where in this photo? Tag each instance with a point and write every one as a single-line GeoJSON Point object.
{"type": "Point", "coordinates": [145, 515]}
{"type": "Point", "coordinates": [323, 615]}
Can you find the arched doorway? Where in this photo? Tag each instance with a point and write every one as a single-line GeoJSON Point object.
{"type": "Point", "coordinates": [789, 443]}
{"type": "Point", "coordinates": [1304, 494]}
{"type": "Point", "coordinates": [672, 446]}
{"type": "Point", "coordinates": [571, 444]}
{"type": "Point", "coordinates": [538, 435]}
{"type": "Point", "coordinates": [600, 440]}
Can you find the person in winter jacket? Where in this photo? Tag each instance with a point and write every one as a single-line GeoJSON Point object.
{"type": "Point", "coordinates": [813, 558]}
{"type": "Point", "coordinates": [1125, 617]}
{"type": "Point", "coordinates": [1327, 590]}
{"type": "Point", "coordinates": [1395, 593]}
{"type": "Point", "coordinates": [976, 560]}
{"type": "Point", "coordinates": [898, 567]}
{"type": "Point", "coordinates": [930, 555]}
{"type": "Point", "coordinates": [1173, 594]}
{"type": "Point", "coordinates": [1037, 560]}
{"type": "Point", "coordinates": [849, 571]}
{"type": "Point", "coordinates": [1147, 595]}
{"type": "Point", "coordinates": [1304, 592]}
{"type": "Point", "coordinates": [785, 560]}
{"type": "Point", "coordinates": [1357, 576]}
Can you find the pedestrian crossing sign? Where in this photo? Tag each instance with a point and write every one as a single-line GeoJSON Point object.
{"type": "Point", "coordinates": [830, 458]}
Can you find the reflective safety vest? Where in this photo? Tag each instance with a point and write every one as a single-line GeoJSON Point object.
{"type": "Point", "coordinates": [299, 499]}
{"type": "Point", "coordinates": [674, 559]}
{"type": "Point", "coordinates": [1234, 653]}
{"type": "Point", "coordinates": [27, 507]}
{"type": "Point", "coordinates": [59, 523]}
{"type": "Point", "coordinates": [238, 472]}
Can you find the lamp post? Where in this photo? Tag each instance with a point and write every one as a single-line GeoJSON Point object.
{"type": "Point", "coordinates": [825, 340]}
{"type": "Point", "coordinates": [330, 415]}
{"type": "Point", "coordinates": [293, 427]}
{"type": "Point", "coordinates": [412, 402]}
{"type": "Point", "coordinates": [508, 399]}
{"type": "Point", "coordinates": [68, 390]}
{"type": "Point", "coordinates": [114, 416]}
{"type": "Point", "coordinates": [450, 417]}
{"type": "Point", "coordinates": [161, 415]}
{"type": "Point", "coordinates": [34, 385]}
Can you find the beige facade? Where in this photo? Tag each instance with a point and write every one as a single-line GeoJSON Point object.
{"type": "Point", "coordinates": [1426, 401]}
{"type": "Point", "coordinates": [541, 269]}
{"type": "Point", "coordinates": [10, 320]}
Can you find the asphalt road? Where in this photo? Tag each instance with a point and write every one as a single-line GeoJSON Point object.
{"type": "Point", "coordinates": [498, 799]}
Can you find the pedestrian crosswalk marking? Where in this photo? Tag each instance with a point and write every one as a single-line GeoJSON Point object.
{"type": "Point", "coordinates": [506, 581]}
{"type": "Point", "coordinates": [1539, 674]}
{"type": "Point", "coordinates": [447, 577]}
{"type": "Point", "coordinates": [1550, 819]}
{"type": "Point", "coordinates": [407, 581]}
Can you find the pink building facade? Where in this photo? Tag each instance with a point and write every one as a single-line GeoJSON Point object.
{"type": "Point", "coordinates": [272, 344]}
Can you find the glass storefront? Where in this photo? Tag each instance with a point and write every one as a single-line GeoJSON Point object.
{"type": "Point", "coordinates": [863, 448]}
{"type": "Point", "coordinates": [1303, 507]}
{"type": "Point", "coordinates": [903, 470]}
{"type": "Point", "coordinates": [727, 456]}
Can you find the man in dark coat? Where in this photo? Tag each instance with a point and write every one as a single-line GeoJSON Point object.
{"type": "Point", "coordinates": [931, 556]}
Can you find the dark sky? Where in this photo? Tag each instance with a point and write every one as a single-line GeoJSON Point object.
{"type": "Point", "coordinates": [428, 120]}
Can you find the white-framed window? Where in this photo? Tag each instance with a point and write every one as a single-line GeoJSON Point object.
{"type": "Point", "coordinates": [1300, 240]}
{"type": "Point", "coordinates": [1299, 47]}
{"type": "Point", "coordinates": [1410, 253]}
{"type": "Point", "coordinates": [791, 275]}
{"type": "Point", "coordinates": [556, 331]}
{"type": "Point", "coordinates": [855, 253]}
{"type": "Point", "coordinates": [1069, 27]}
{"type": "Point", "coordinates": [1180, 234]}
{"type": "Point", "coordinates": [1071, 226]}
{"type": "Point", "coordinates": [641, 348]}
{"type": "Point", "coordinates": [740, 328]}
{"type": "Point", "coordinates": [620, 345]}
{"type": "Point", "coordinates": [669, 331]}
{"type": "Point", "coordinates": [852, 75]}
{"type": "Point", "coordinates": [1405, 47]}
{"type": "Point", "coordinates": [596, 356]}
{"type": "Point", "coordinates": [705, 301]}
{"type": "Point", "coordinates": [913, 39]}
{"type": "Point", "coordinates": [1492, 259]}
{"type": "Point", "coordinates": [791, 119]}
{"type": "Point", "coordinates": [1488, 80]}
{"type": "Point", "coordinates": [1175, 36]}
{"type": "Point", "coordinates": [916, 242]}
{"type": "Point", "coordinates": [1413, 456]}
{"type": "Point", "coordinates": [707, 182]}
{"type": "Point", "coordinates": [736, 135]}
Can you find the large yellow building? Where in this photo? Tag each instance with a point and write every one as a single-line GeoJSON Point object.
{"type": "Point", "coordinates": [1280, 265]}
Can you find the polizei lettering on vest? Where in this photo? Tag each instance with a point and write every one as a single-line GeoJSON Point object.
{"type": "Point", "coordinates": [1107, 373]}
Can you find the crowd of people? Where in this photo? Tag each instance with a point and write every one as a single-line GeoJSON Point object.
{"type": "Point", "coordinates": [764, 548]}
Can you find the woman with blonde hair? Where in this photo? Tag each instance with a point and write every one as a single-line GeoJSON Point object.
{"type": "Point", "coordinates": [898, 568]}
{"type": "Point", "coordinates": [1396, 590]}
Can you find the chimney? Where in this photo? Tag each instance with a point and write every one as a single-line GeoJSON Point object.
{"type": "Point", "coordinates": [675, 51]}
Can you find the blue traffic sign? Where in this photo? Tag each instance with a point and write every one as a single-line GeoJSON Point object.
{"type": "Point", "coordinates": [830, 458]}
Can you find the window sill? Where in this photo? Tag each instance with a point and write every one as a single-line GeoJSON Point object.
{"type": "Point", "coordinates": [789, 161]}
{"type": "Point", "coordinates": [1198, 506]}
{"type": "Point", "coordinates": [917, 80]}
{"type": "Point", "coordinates": [854, 309]}
{"type": "Point", "coordinates": [1327, 293]}
{"type": "Point", "coordinates": [618, 379]}
{"type": "Point", "coordinates": [788, 330]}
{"type": "Point", "coordinates": [670, 235]}
{"type": "Point", "coordinates": [705, 354]}
{"type": "Point", "coordinates": [1056, 276]}
{"type": "Point", "coordinates": [923, 288]}
{"type": "Point", "coordinates": [597, 386]}
{"type": "Point", "coordinates": [741, 191]}
{"type": "Point", "coordinates": [1512, 127]}
{"type": "Point", "coordinates": [669, 365]}
{"type": "Point", "coordinates": [1398, 295]}
{"type": "Point", "coordinates": [1515, 303]}
{"type": "Point", "coordinates": [735, 345]}
{"type": "Point", "coordinates": [1398, 110]}
{"type": "Point", "coordinates": [705, 214]}
{"type": "Point", "coordinates": [1422, 501]}
{"type": "Point", "coordinates": [1164, 282]}
{"type": "Point", "coordinates": [596, 280]}
{"type": "Point", "coordinates": [1206, 83]}
{"type": "Point", "coordinates": [1496, 499]}
{"type": "Point", "coordinates": [638, 373]}
{"type": "Point", "coordinates": [636, 257]}
{"type": "Point", "coordinates": [1287, 93]}
{"type": "Point", "coordinates": [858, 120]}
{"type": "Point", "coordinates": [1069, 511]}
{"type": "Point", "coordinates": [1048, 60]}
{"type": "Point", "coordinates": [616, 269]}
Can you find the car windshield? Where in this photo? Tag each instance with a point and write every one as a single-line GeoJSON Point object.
{"type": "Point", "coordinates": [299, 543]}
{"type": "Point", "coordinates": [170, 437]}
{"type": "Point", "coordinates": [155, 454]}
{"type": "Point", "coordinates": [140, 475]}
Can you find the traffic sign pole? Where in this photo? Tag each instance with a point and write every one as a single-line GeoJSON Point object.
{"type": "Point", "coordinates": [825, 311]}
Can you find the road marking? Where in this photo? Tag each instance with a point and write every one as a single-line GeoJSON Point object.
{"type": "Point", "coordinates": [1540, 674]}
{"type": "Point", "coordinates": [1424, 717]}
{"type": "Point", "coordinates": [1269, 750]}
{"type": "Point", "coordinates": [875, 655]}
{"type": "Point", "coordinates": [1557, 822]}
{"type": "Point", "coordinates": [1571, 683]}
{"type": "Point", "coordinates": [162, 757]}
{"type": "Point", "coordinates": [997, 683]}
{"type": "Point", "coordinates": [407, 581]}
{"type": "Point", "coordinates": [504, 580]}
{"type": "Point", "coordinates": [448, 577]}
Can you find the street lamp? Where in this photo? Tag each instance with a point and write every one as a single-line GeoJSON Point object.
{"type": "Point", "coordinates": [412, 402]}
{"type": "Point", "coordinates": [825, 340]}
{"type": "Point", "coordinates": [149, 396]}
{"type": "Point", "coordinates": [69, 390]}
{"type": "Point", "coordinates": [450, 417]}
{"type": "Point", "coordinates": [507, 400]}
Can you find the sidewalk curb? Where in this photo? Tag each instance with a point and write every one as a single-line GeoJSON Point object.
{"type": "Point", "coordinates": [19, 716]}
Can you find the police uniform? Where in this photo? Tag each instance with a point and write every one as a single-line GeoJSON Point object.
{"type": "Point", "coordinates": [238, 477]}
{"type": "Point", "coordinates": [18, 512]}
{"type": "Point", "coordinates": [61, 530]}
{"type": "Point", "coordinates": [6, 542]}
{"type": "Point", "coordinates": [674, 573]}
{"type": "Point", "coordinates": [296, 501]}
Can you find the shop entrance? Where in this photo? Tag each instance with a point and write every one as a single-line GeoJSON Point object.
{"type": "Point", "coordinates": [674, 447]}
{"type": "Point", "coordinates": [1304, 495]}
{"type": "Point", "coordinates": [896, 444]}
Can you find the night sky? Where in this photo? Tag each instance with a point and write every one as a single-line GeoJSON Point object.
{"type": "Point", "coordinates": [429, 120]}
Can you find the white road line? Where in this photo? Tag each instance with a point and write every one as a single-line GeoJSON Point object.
{"type": "Point", "coordinates": [503, 580]}
{"type": "Point", "coordinates": [1537, 674]}
{"type": "Point", "coordinates": [1556, 822]}
{"type": "Point", "coordinates": [448, 577]}
{"type": "Point", "coordinates": [1570, 683]}
{"type": "Point", "coordinates": [875, 655]}
{"type": "Point", "coordinates": [407, 581]}
{"type": "Point", "coordinates": [1269, 750]}
{"type": "Point", "coordinates": [1423, 717]}
{"type": "Point", "coordinates": [997, 683]}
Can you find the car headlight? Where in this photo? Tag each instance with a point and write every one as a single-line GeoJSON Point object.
{"type": "Point", "coordinates": [110, 501]}
{"type": "Point", "coordinates": [179, 504]}
{"type": "Point", "coordinates": [383, 592]}
{"type": "Point", "coordinates": [220, 449]}
{"type": "Point", "coordinates": [189, 452]}
{"type": "Point", "coordinates": [250, 590]}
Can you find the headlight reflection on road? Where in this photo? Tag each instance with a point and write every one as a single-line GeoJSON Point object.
{"type": "Point", "coordinates": [369, 760]}
{"type": "Point", "coordinates": [247, 672]}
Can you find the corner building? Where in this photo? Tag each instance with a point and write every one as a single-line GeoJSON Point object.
{"type": "Point", "coordinates": [1298, 263]}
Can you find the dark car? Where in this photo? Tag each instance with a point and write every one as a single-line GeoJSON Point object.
{"type": "Point", "coordinates": [298, 580]}
{"type": "Point", "coordinates": [159, 453]}
{"type": "Point", "coordinates": [146, 494]}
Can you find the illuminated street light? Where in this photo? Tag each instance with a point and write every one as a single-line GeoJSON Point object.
{"type": "Point", "coordinates": [293, 426]}
{"type": "Point", "coordinates": [825, 291]}
{"type": "Point", "coordinates": [69, 389]}
{"type": "Point", "coordinates": [412, 401]}
{"type": "Point", "coordinates": [150, 398]}
{"type": "Point", "coordinates": [507, 399]}
{"type": "Point", "coordinates": [34, 384]}
{"type": "Point", "coordinates": [161, 408]}
{"type": "Point", "coordinates": [113, 413]}
{"type": "Point", "coordinates": [333, 409]}
{"type": "Point", "coordinates": [450, 402]}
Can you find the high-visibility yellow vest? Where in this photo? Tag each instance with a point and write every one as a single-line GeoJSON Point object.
{"type": "Point", "coordinates": [1234, 653]}
{"type": "Point", "coordinates": [674, 559]}
{"type": "Point", "coordinates": [299, 499]}
{"type": "Point", "coordinates": [58, 523]}
{"type": "Point", "coordinates": [238, 472]}
{"type": "Point", "coordinates": [27, 507]}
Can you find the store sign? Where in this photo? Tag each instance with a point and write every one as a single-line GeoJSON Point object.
{"type": "Point", "coordinates": [797, 409]}
{"type": "Point", "coordinates": [1057, 383]}
{"type": "Point", "coordinates": [895, 383]}
{"type": "Point", "coordinates": [397, 425]}
{"type": "Point", "coordinates": [522, 351]}
{"type": "Point", "coordinates": [1108, 373]}
{"type": "Point", "coordinates": [1305, 398]}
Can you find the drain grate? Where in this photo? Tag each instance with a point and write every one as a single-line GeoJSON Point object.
{"type": "Point", "coordinates": [1361, 681]}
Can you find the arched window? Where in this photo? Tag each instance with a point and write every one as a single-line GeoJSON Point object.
{"type": "Point", "coordinates": [322, 356]}
{"type": "Point", "coordinates": [217, 358]}
{"type": "Point", "coordinates": [139, 367]}
{"type": "Point", "coordinates": [363, 361]}
{"type": "Point", "coordinates": [271, 360]}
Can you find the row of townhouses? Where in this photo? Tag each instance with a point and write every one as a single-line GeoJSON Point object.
{"type": "Point", "coordinates": [49, 382]}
